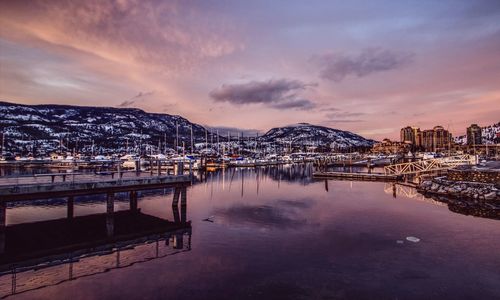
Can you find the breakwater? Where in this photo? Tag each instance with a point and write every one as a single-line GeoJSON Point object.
{"type": "Point", "coordinates": [488, 192]}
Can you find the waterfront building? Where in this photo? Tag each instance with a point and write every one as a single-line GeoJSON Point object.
{"type": "Point", "coordinates": [436, 139]}
{"type": "Point", "coordinates": [474, 135]}
{"type": "Point", "coordinates": [411, 135]}
{"type": "Point", "coordinates": [391, 147]}
{"type": "Point", "coordinates": [442, 138]}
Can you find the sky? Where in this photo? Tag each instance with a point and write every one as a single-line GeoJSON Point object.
{"type": "Point", "coordinates": [370, 67]}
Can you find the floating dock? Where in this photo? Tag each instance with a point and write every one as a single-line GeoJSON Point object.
{"type": "Point", "coordinates": [356, 176]}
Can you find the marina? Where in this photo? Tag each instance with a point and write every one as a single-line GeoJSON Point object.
{"type": "Point", "coordinates": [248, 216]}
{"type": "Point", "coordinates": [270, 150]}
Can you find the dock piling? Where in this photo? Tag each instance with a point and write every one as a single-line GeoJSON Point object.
{"type": "Point", "coordinates": [175, 200]}
{"type": "Point", "coordinates": [71, 206]}
{"type": "Point", "coordinates": [133, 201]}
{"type": "Point", "coordinates": [110, 206]}
{"type": "Point", "coordinates": [3, 219]}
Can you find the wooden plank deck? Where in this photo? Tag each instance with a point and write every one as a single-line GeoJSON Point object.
{"type": "Point", "coordinates": [88, 184]}
{"type": "Point", "coordinates": [355, 176]}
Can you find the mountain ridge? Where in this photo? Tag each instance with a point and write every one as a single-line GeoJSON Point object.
{"type": "Point", "coordinates": [50, 127]}
{"type": "Point", "coordinates": [309, 134]}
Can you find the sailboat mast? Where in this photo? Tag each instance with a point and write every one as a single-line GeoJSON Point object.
{"type": "Point", "coordinates": [218, 145]}
{"type": "Point", "coordinates": [192, 149]}
{"type": "Point", "coordinates": [176, 137]}
{"type": "Point", "coordinates": [3, 143]}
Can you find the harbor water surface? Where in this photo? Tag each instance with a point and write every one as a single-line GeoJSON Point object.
{"type": "Point", "coordinates": [276, 233]}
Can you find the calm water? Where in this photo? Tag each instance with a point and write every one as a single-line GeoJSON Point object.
{"type": "Point", "coordinates": [278, 234]}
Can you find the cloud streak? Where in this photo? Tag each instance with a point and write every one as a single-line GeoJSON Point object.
{"type": "Point", "coordinates": [153, 33]}
{"type": "Point", "coordinates": [336, 67]}
{"type": "Point", "coordinates": [132, 101]}
{"type": "Point", "coordinates": [280, 94]}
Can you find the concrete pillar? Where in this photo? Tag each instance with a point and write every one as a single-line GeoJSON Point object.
{"type": "Point", "coordinates": [118, 258]}
{"type": "Point", "coordinates": [183, 214]}
{"type": "Point", "coordinates": [159, 167]}
{"type": "Point", "coordinates": [3, 221]}
{"type": "Point", "coordinates": [183, 196]}
{"type": "Point", "coordinates": [183, 204]}
{"type": "Point", "coordinates": [71, 207]}
{"type": "Point", "coordinates": [180, 168]}
{"type": "Point", "coordinates": [178, 241]}
{"type": "Point", "coordinates": [70, 271]}
{"type": "Point", "coordinates": [119, 169]}
{"type": "Point", "coordinates": [133, 201]}
{"type": "Point", "coordinates": [110, 223]}
{"type": "Point", "coordinates": [137, 166]}
{"type": "Point", "coordinates": [177, 192]}
{"type": "Point", "coordinates": [175, 211]}
{"type": "Point", "coordinates": [3, 214]}
{"type": "Point", "coordinates": [157, 249]}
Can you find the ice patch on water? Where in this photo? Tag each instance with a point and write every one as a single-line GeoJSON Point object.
{"type": "Point", "coordinates": [413, 239]}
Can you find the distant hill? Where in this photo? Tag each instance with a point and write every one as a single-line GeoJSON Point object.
{"type": "Point", "coordinates": [307, 134]}
{"type": "Point", "coordinates": [107, 127]}
{"type": "Point", "coordinates": [45, 128]}
{"type": "Point", "coordinates": [489, 135]}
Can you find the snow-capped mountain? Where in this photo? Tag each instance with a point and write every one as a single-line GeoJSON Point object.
{"type": "Point", "coordinates": [50, 127]}
{"type": "Point", "coordinates": [45, 128]}
{"type": "Point", "coordinates": [490, 135]}
{"type": "Point", "coordinates": [307, 134]}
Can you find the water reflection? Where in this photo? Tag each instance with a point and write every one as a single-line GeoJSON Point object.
{"type": "Point", "coordinates": [461, 206]}
{"type": "Point", "coordinates": [46, 253]}
{"type": "Point", "coordinates": [275, 233]}
{"type": "Point", "coordinates": [283, 214]}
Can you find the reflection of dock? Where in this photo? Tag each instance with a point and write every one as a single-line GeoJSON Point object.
{"type": "Point", "coordinates": [122, 252]}
{"type": "Point", "coordinates": [47, 253]}
{"type": "Point", "coordinates": [408, 191]}
{"type": "Point", "coordinates": [26, 243]}
{"type": "Point", "coordinates": [92, 244]}
{"type": "Point", "coordinates": [462, 206]}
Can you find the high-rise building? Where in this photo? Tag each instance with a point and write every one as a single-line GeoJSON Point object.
{"type": "Point", "coordinates": [436, 139]}
{"type": "Point", "coordinates": [442, 138]}
{"type": "Point", "coordinates": [428, 140]}
{"type": "Point", "coordinates": [474, 135]}
{"type": "Point", "coordinates": [411, 135]}
{"type": "Point", "coordinates": [406, 135]}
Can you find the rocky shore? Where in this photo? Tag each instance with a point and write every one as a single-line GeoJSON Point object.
{"type": "Point", "coordinates": [487, 192]}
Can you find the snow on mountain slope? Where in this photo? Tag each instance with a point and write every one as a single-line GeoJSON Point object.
{"type": "Point", "coordinates": [45, 128]}
{"type": "Point", "coordinates": [109, 128]}
{"type": "Point", "coordinates": [488, 133]}
{"type": "Point", "coordinates": [307, 134]}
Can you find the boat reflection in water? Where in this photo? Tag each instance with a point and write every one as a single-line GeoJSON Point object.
{"type": "Point", "coordinates": [466, 207]}
{"type": "Point", "coordinates": [47, 253]}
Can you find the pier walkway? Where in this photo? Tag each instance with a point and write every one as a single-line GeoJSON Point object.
{"type": "Point", "coordinates": [355, 176]}
{"type": "Point", "coordinates": [430, 165]}
{"type": "Point", "coordinates": [68, 184]}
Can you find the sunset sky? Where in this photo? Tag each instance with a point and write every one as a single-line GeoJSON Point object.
{"type": "Point", "coordinates": [370, 67]}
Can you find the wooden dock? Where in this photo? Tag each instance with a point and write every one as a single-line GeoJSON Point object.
{"type": "Point", "coordinates": [355, 176]}
{"type": "Point", "coordinates": [88, 185]}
